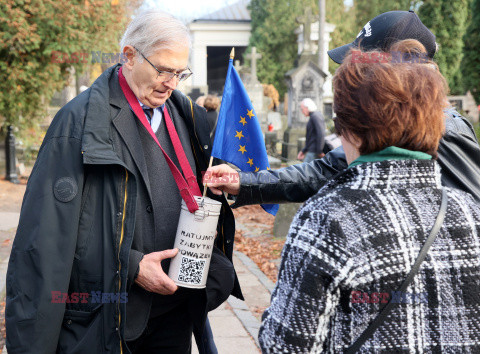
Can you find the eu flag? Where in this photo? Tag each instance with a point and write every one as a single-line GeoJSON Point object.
{"type": "Point", "coordinates": [238, 137]}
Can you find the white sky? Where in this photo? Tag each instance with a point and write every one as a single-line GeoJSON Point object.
{"type": "Point", "coordinates": [187, 9]}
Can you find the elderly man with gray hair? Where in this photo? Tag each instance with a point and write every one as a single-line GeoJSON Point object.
{"type": "Point", "coordinates": [88, 269]}
{"type": "Point", "coordinates": [315, 136]}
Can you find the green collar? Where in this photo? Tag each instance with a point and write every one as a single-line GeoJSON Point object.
{"type": "Point", "coordinates": [391, 153]}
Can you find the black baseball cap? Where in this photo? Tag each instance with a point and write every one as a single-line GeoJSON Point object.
{"type": "Point", "coordinates": [386, 29]}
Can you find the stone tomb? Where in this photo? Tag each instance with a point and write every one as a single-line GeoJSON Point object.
{"type": "Point", "coordinates": [255, 89]}
{"type": "Point", "coordinates": [466, 105]}
{"type": "Point", "coordinates": [306, 81]}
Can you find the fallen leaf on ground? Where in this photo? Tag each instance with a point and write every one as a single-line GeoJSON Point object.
{"type": "Point", "coordinates": [264, 249]}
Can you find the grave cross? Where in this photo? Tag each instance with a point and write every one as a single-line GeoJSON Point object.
{"type": "Point", "coordinates": [253, 56]}
{"type": "Point", "coordinates": [306, 21]}
{"type": "Point", "coordinates": [237, 65]}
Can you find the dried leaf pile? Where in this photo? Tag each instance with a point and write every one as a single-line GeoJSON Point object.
{"type": "Point", "coordinates": [260, 246]}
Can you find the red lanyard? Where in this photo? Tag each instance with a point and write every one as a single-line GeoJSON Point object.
{"type": "Point", "coordinates": [188, 189]}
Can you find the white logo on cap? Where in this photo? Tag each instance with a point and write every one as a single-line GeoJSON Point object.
{"type": "Point", "coordinates": [368, 30]}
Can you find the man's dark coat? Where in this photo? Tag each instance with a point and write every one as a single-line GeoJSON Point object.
{"type": "Point", "coordinates": [315, 134]}
{"type": "Point", "coordinates": [77, 224]}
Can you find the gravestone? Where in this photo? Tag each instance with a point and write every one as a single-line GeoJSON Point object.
{"type": "Point", "coordinates": [466, 105]}
{"type": "Point", "coordinates": [274, 162]}
{"type": "Point", "coordinates": [284, 218]}
{"type": "Point", "coordinates": [306, 81]}
{"type": "Point", "coordinates": [306, 22]}
{"type": "Point", "coordinates": [242, 71]}
{"type": "Point", "coordinates": [255, 89]}
{"type": "Point", "coordinates": [69, 91]}
{"type": "Point", "coordinates": [275, 119]}
{"type": "Point", "coordinates": [253, 56]}
{"type": "Point", "coordinates": [239, 68]}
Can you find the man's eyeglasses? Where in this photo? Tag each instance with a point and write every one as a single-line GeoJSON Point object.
{"type": "Point", "coordinates": [167, 75]}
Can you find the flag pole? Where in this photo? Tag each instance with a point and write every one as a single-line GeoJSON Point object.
{"type": "Point", "coordinates": [205, 185]}
{"type": "Point", "coordinates": [232, 55]}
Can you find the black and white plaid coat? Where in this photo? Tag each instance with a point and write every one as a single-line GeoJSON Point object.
{"type": "Point", "coordinates": [361, 233]}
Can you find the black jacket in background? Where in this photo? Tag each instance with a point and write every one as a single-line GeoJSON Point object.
{"type": "Point", "coordinates": [458, 157]}
{"type": "Point", "coordinates": [212, 121]}
{"type": "Point", "coordinates": [315, 134]}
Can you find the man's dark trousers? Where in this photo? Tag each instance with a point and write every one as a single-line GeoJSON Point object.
{"type": "Point", "coordinates": [170, 333]}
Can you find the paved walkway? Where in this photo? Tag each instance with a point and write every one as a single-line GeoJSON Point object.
{"type": "Point", "coordinates": [234, 324]}
{"type": "Point", "coordinates": [8, 221]}
{"type": "Point", "coordinates": [8, 226]}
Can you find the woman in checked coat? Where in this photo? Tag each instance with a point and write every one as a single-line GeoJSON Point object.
{"type": "Point", "coordinates": [351, 246]}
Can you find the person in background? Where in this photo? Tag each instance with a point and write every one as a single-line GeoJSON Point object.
{"type": "Point", "coordinates": [211, 104]}
{"type": "Point", "coordinates": [358, 237]}
{"type": "Point", "coordinates": [315, 134]}
{"type": "Point", "coordinates": [200, 100]}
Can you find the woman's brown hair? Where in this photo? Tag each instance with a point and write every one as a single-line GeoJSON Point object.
{"type": "Point", "coordinates": [211, 103]}
{"type": "Point", "coordinates": [390, 99]}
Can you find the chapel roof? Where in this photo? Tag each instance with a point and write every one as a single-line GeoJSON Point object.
{"type": "Point", "coordinates": [235, 12]}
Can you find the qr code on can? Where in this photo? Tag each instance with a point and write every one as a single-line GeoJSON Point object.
{"type": "Point", "coordinates": [191, 270]}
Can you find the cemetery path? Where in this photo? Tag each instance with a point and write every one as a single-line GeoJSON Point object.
{"type": "Point", "coordinates": [11, 196]}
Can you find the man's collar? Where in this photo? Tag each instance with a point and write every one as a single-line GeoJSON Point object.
{"type": "Point", "coordinates": [144, 105]}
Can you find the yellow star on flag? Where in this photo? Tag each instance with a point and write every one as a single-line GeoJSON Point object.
{"type": "Point", "coordinates": [239, 135]}
{"type": "Point", "coordinates": [257, 169]}
{"type": "Point", "coordinates": [243, 121]}
{"type": "Point", "coordinates": [268, 168]}
{"type": "Point", "coordinates": [242, 149]}
{"type": "Point", "coordinates": [250, 113]}
{"type": "Point", "coordinates": [250, 162]}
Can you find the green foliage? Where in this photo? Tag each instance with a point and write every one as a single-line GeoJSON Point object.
{"type": "Point", "coordinates": [368, 9]}
{"type": "Point", "coordinates": [344, 19]}
{"type": "Point", "coordinates": [349, 21]}
{"type": "Point", "coordinates": [470, 66]}
{"type": "Point", "coordinates": [476, 126]}
{"type": "Point", "coordinates": [273, 26]}
{"type": "Point", "coordinates": [31, 31]}
{"type": "Point", "coordinates": [29, 141]}
{"type": "Point", "coordinates": [447, 19]}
